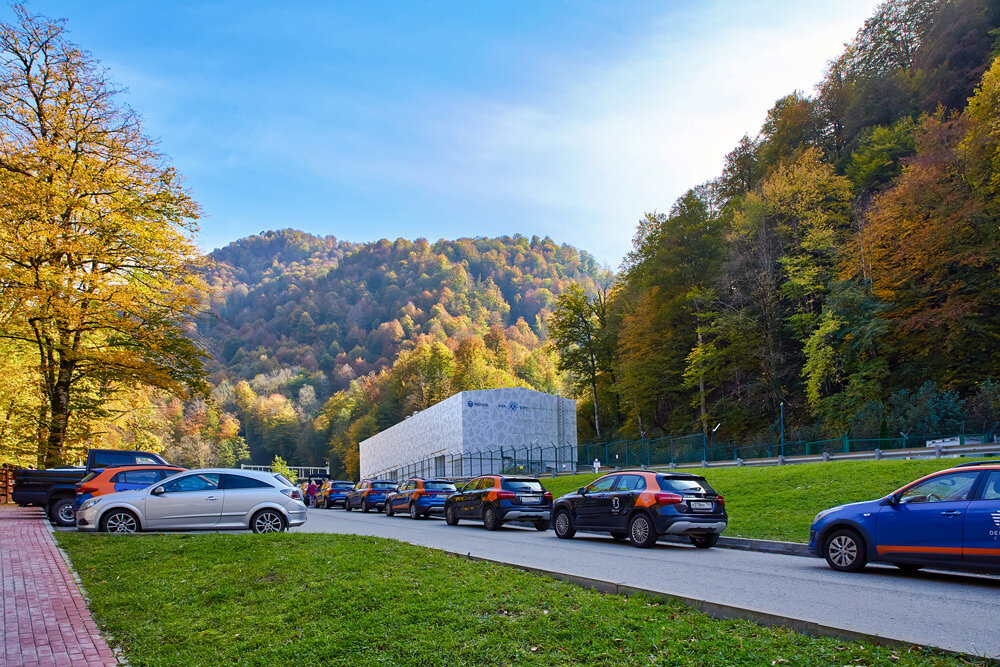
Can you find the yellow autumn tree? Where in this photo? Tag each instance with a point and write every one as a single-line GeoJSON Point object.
{"type": "Point", "coordinates": [97, 262]}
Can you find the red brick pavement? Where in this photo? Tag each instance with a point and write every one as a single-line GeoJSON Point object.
{"type": "Point", "coordinates": [45, 618]}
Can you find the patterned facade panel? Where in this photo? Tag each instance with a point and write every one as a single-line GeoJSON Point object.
{"type": "Point", "coordinates": [479, 432]}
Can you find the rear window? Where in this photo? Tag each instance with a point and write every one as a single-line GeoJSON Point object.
{"type": "Point", "coordinates": [281, 478]}
{"type": "Point", "coordinates": [382, 486]}
{"type": "Point", "coordinates": [530, 485]}
{"type": "Point", "coordinates": [342, 486]}
{"type": "Point", "coordinates": [112, 459]}
{"type": "Point", "coordinates": [682, 486]}
{"type": "Point", "coordinates": [241, 482]}
{"type": "Point", "coordinates": [91, 476]}
{"type": "Point", "coordinates": [439, 486]}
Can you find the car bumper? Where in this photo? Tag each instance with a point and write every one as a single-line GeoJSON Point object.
{"type": "Point", "coordinates": [88, 521]}
{"type": "Point", "coordinates": [297, 517]}
{"type": "Point", "coordinates": [527, 514]}
{"type": "Point", "coordinates": [695, 527]}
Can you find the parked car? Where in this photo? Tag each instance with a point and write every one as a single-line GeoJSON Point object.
{"type": "Point", "coordinates": [333, 492]}
{"type": "Point", "coordinates": [115, 480]}
{"type": "Point", "coordinates": [497, 499]}
{"type": "Point", "coordinates": [948, 519]}
{"type": "Point", "coordinates": [643, 506]}
{"type": "Point", "coordinates": [208, 499]}
{"type": "Point", "coordinates": [55, 488]}
{"type": "Point", "coordinates": [369, 494]}
{"type": "Point", "coordinates": [420, 497]}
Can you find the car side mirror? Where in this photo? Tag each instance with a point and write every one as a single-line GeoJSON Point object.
{"type": "Point", "coordinates": [158, 491]}
{"type": "Point", "coordinates": [891, 499]}
{"type": "Point", "coordinates": [582, 490]}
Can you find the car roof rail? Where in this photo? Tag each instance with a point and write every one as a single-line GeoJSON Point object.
{"type": "Point", "coordinates": [978, 463]}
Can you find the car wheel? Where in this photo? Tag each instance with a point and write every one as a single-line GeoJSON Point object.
{"type": "Point", "coordinates": [845, 551]}
{"type": "Point", "coordinates": [267, 521]}
{"type": "Point", "coordinates": [641, 531]}
{"type": "Point", "coordinates": [490, 520]}
{"type": "Point", "coordinates": [619, 535]}
{"type": "Point", "coordinates": [704, 541]}
{"type": "Point", "coordinates": [365, 507]}
{"type": "Point", "coordinates": [564, 525]}
{"type": "Point", "coordinates": [388, 509]}
{"type": "Point", "coordinates": [909, 567]}
{"type": "Point", "coordinates": [347, 504]}
{"type": "Point", "coordinates": [61, 512]}
{"type": "Point", "coordinates": [450, 515]}
{"type": "Point", "coordinates": [414, 512]}
{"type": "Point", "coordinates": [542, 525]}
{"type": "Point", "coordinates": [119, 521]}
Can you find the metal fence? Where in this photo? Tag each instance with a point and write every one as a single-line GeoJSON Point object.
{"type": "Point", "coordinates": [654, 452]}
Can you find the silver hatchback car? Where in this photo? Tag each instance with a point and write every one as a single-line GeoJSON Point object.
{"type": "Point", "coordinates": [207, 499]}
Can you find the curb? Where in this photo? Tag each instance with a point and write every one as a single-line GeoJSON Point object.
{"type": "Point", "coordinates": [767, 546]}
{"type": "Point", "coordinates": [119, 655]}
{"type": "Point", "coordinates": [723, 611]}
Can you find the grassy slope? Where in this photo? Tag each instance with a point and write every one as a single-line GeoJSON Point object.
{"type": "Point", "coordinates": [321, 599]}
{"type": "Point", "coordinates": [779, 502]}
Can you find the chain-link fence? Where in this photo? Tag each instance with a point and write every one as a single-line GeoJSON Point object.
{"type": "Point", "coordinates": [652, 452]}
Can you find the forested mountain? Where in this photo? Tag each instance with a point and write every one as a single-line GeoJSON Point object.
{"type": "Point", "coordinates": [842, 270]}
{"type": "Point", "coordinates": [386, 328]}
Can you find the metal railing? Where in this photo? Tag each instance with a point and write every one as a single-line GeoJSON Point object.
{"type": "Point", "coordinates": [667, 451]}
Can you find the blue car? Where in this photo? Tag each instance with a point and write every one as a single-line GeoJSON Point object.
{"type": "Point", "coordinates": [419, 497]}
{"type": "Point", "coordinates": [369, 494]}
{"type": "Point", "coordinates": [948, 519]}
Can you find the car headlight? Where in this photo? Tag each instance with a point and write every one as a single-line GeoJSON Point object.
{"type": "Point", "coordinates": [90, 503]}
{"type": "Point", "coordinates": [825, 512]}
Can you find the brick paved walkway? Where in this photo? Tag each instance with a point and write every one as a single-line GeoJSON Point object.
{"type": "Point", "coordinates": [45, 619]}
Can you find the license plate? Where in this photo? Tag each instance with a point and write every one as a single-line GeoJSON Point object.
{"type": "Point", "coordinates": [530, 500]}
{"type": "Point", "coordinates": [702, 505]}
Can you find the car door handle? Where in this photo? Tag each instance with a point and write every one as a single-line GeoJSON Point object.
{"type": "Point", "coordinates": [952, 513]}
{"type": "Point", "coordinates": [211, 498]}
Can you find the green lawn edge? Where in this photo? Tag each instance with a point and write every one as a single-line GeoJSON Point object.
{"type": "Point", "coordinates": [303, 599]}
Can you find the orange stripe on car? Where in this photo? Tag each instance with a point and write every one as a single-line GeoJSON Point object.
{"type": "Point", "coordinates": [886, 549]}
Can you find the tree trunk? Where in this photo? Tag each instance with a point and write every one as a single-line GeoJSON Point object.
{"type": "Point", "coordinates": [597, 424]}
{"type": "Point", "coordinates": [58, 417]}
{"type": "Point", "coordinates": [701, 393]}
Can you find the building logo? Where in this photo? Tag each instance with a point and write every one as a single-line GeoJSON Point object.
{"type": "Point", "coordinates": [476, 404]}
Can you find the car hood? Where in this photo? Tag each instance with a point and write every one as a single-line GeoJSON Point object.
{"type": "Point", "coordinates": [136, 497]}
{"type": "Point", "coordinates": [863, 505]}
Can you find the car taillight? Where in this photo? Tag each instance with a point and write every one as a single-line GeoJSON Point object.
{"type": "Point", "coordinates": [547, 495]}
{"type": "Point", "coordinates": [720, 501]}
{"type": "Point", "coordinates": [668, 498]}
{"type": "Point", "coordinates": [506, 494]}
{"type": "Point", "coordinates": [85, 488]}
{"type": "Point", "coordinates": [294, 494]}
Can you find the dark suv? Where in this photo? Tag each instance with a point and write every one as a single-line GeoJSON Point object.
{"type": "Point", "coordinates": [369, 494]}
{"type": "Point", "coordinates": [643, 506]}
{"type": "Point", "coordinates": [496, 499]}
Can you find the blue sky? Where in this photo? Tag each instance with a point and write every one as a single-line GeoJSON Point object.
{"type": "Point", "coordinates": [385, 119]}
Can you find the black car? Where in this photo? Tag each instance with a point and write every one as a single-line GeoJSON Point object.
{"type": "Point", "coordinates": [643, 506]}
{"type": "Point", "coordinates": [496, 499]}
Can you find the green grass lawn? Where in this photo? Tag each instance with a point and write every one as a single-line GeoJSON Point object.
{"type": "Point", "coordinates": [779, 502]}
{"type": "Point", "coordinates": [306, 599]}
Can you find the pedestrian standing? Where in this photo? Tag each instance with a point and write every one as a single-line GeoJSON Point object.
{"type": "Point", "coordinates": [311, 492]}
{"type": "Point", "coordinates": [597, 466]}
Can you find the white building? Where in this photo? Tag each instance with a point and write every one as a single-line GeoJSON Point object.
{"type": "Point", "coordinates": [477, 432]}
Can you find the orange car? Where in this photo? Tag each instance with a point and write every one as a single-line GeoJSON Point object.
{"type": "Point", "coordinates": [125, 478]}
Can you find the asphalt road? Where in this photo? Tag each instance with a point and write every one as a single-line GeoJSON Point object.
{"type": "Point", "coordinates": [956, 612]}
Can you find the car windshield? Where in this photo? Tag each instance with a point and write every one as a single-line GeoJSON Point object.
{"type": "Point", "coordinates": [439, 486]}
{"type": "Point", "coordinates": [529, 485]}
{"type": "Point", "coordinates": [683, 486]}
{"type": "Point", "coordinates": [341, 486]}
{"type": "Point", "coordinates": [383, 486]}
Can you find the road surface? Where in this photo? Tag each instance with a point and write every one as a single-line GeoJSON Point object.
{"type": "Point", "coordinates": [957, 612]}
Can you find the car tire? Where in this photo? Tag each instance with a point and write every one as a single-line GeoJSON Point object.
{"type": "Point", "coordinates": [641, 531]}
{"type": "Point", "coordinates": [564, 525]}
{"type": "Point", "coordinates": [450, 515]}
{"type": "Point", "coordinates": [120, 521]}
{"type": "Point", "coordinates": [61, 512]}
{"type": "Point", "coordinates": [268, 521]}
{"type": "Point", "coordinates": [619, 535]}
{"type": "Point", "coordinates": [704, 541]}
{"type": "Point", "coordinates": [414, 512]}
{"type": "Point", "coordinates": [365, 507]}
{"type": "Point", "coordinates": [347, 504]}
{"type": "Point", "coordinates": [909, 567]}
{"type": "Point", "coordinates": [388, 509]}
{"type": "Point", "coordinates": [543, 525]}
{"type": "Point", "coordinates": [490, 520]}
{"type": "Point", "coordinates": [845, 551]}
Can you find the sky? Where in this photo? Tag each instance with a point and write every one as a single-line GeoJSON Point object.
{"type": "Point", "coordinates": [447, 119]}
